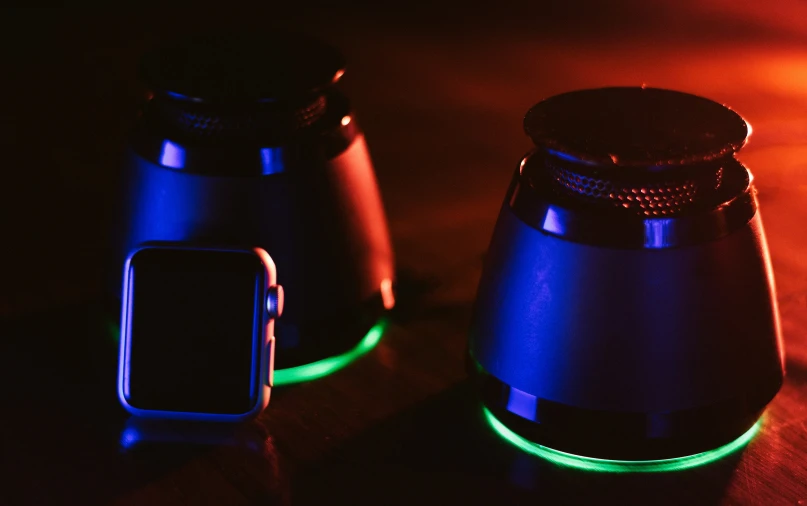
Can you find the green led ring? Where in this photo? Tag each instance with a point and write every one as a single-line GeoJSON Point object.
{"type": "Point", "coordinates": [324, 367]}
{"type": "Point", "coordinates": [564, 459]}
{"type": "Point", "coordinates": [320, 368]}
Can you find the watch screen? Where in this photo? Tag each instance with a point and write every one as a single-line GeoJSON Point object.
{"type": "Point", "coordinates": [195, 336]}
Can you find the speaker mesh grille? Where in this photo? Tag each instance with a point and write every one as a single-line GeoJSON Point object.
{"type": "Point", "coordinates": [655, 196]}
{"type": "Point", "coordinates": [202, 121]}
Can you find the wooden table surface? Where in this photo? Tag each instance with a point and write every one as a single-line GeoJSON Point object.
{"type": "Point", "coordinates": [440, 94]}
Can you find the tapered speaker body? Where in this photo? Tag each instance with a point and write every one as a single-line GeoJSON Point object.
{"type": "Point", "coordinates": [627, 306]}
{"type": "Point", "coordinates": [247, 141]}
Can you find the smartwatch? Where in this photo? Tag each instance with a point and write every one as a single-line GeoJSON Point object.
{"type": "Point", "coordinates": [197, 338]}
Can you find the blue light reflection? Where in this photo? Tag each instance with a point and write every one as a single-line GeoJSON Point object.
{"type": "Point", "coordinates": [658, 233]}
{"type": "Point", "coordinates": [172, 155]}
{"type": "Point", "coordinates": [522, 404]}
{"type": "Point", "coordinates": [272, 160]}
{"type": "Point", "coordinates": [567, 157]}
{"type": "Point", "coordinates": [553, 222]}
{"type": "Point", "coordinates": [129, 438]}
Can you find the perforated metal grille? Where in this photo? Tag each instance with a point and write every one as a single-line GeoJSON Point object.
{"type": "Point", "coordinates": [306, 116]}
{"type": "Point", "coordinates": [210, 125]}
{"type": "Point", "coordinates": [208, 122]}
{"type": "Point", "coordinates": [649, 198]}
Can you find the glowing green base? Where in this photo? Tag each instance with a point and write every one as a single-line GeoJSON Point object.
{"type": "Point", "coordinates": [324, 367]}
{"type": "Point", "coordinates": [620, 466]}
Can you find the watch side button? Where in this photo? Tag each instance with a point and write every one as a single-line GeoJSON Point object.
{"type": "Point", "coordinates": [269, 368]}
{"type": "Point", "coordinates": [274, 301]}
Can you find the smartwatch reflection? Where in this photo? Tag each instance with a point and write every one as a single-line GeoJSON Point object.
{"type": "Point", "coordinates": [197, 332]}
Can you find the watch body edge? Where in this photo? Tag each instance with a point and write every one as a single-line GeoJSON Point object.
{"type": "Point", "coordinates": [263, 377]}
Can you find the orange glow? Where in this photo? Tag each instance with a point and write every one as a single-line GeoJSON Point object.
{"type": "Point", "coordinates": [387, 296]}
{"type": "Point", "coordinates": [345, 120]}
{"type": "Point", "coordinates": [366, 224]}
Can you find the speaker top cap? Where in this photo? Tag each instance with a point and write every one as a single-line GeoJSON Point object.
{"type": "Point", "coordinates": [242, 67]}
{"type": "Point", "coordinates": [635, 127]}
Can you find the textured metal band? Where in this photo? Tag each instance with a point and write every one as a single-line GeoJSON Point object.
{"type": "Point", "coordinates": [326, 135]}
{"type": "Point", "coordinates": [533, 200]}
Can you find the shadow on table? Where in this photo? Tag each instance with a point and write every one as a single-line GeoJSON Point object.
{"type": "Point", "coordinates": [66, 440]}
{"type": "Point", "coordinates": [443, 452]}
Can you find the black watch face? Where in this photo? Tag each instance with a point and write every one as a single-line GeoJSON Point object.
{"type": "Point", "coordinates": [196, 331]}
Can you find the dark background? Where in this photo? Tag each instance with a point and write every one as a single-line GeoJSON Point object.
{"type": "Point", "coordinates": [440, 92]}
